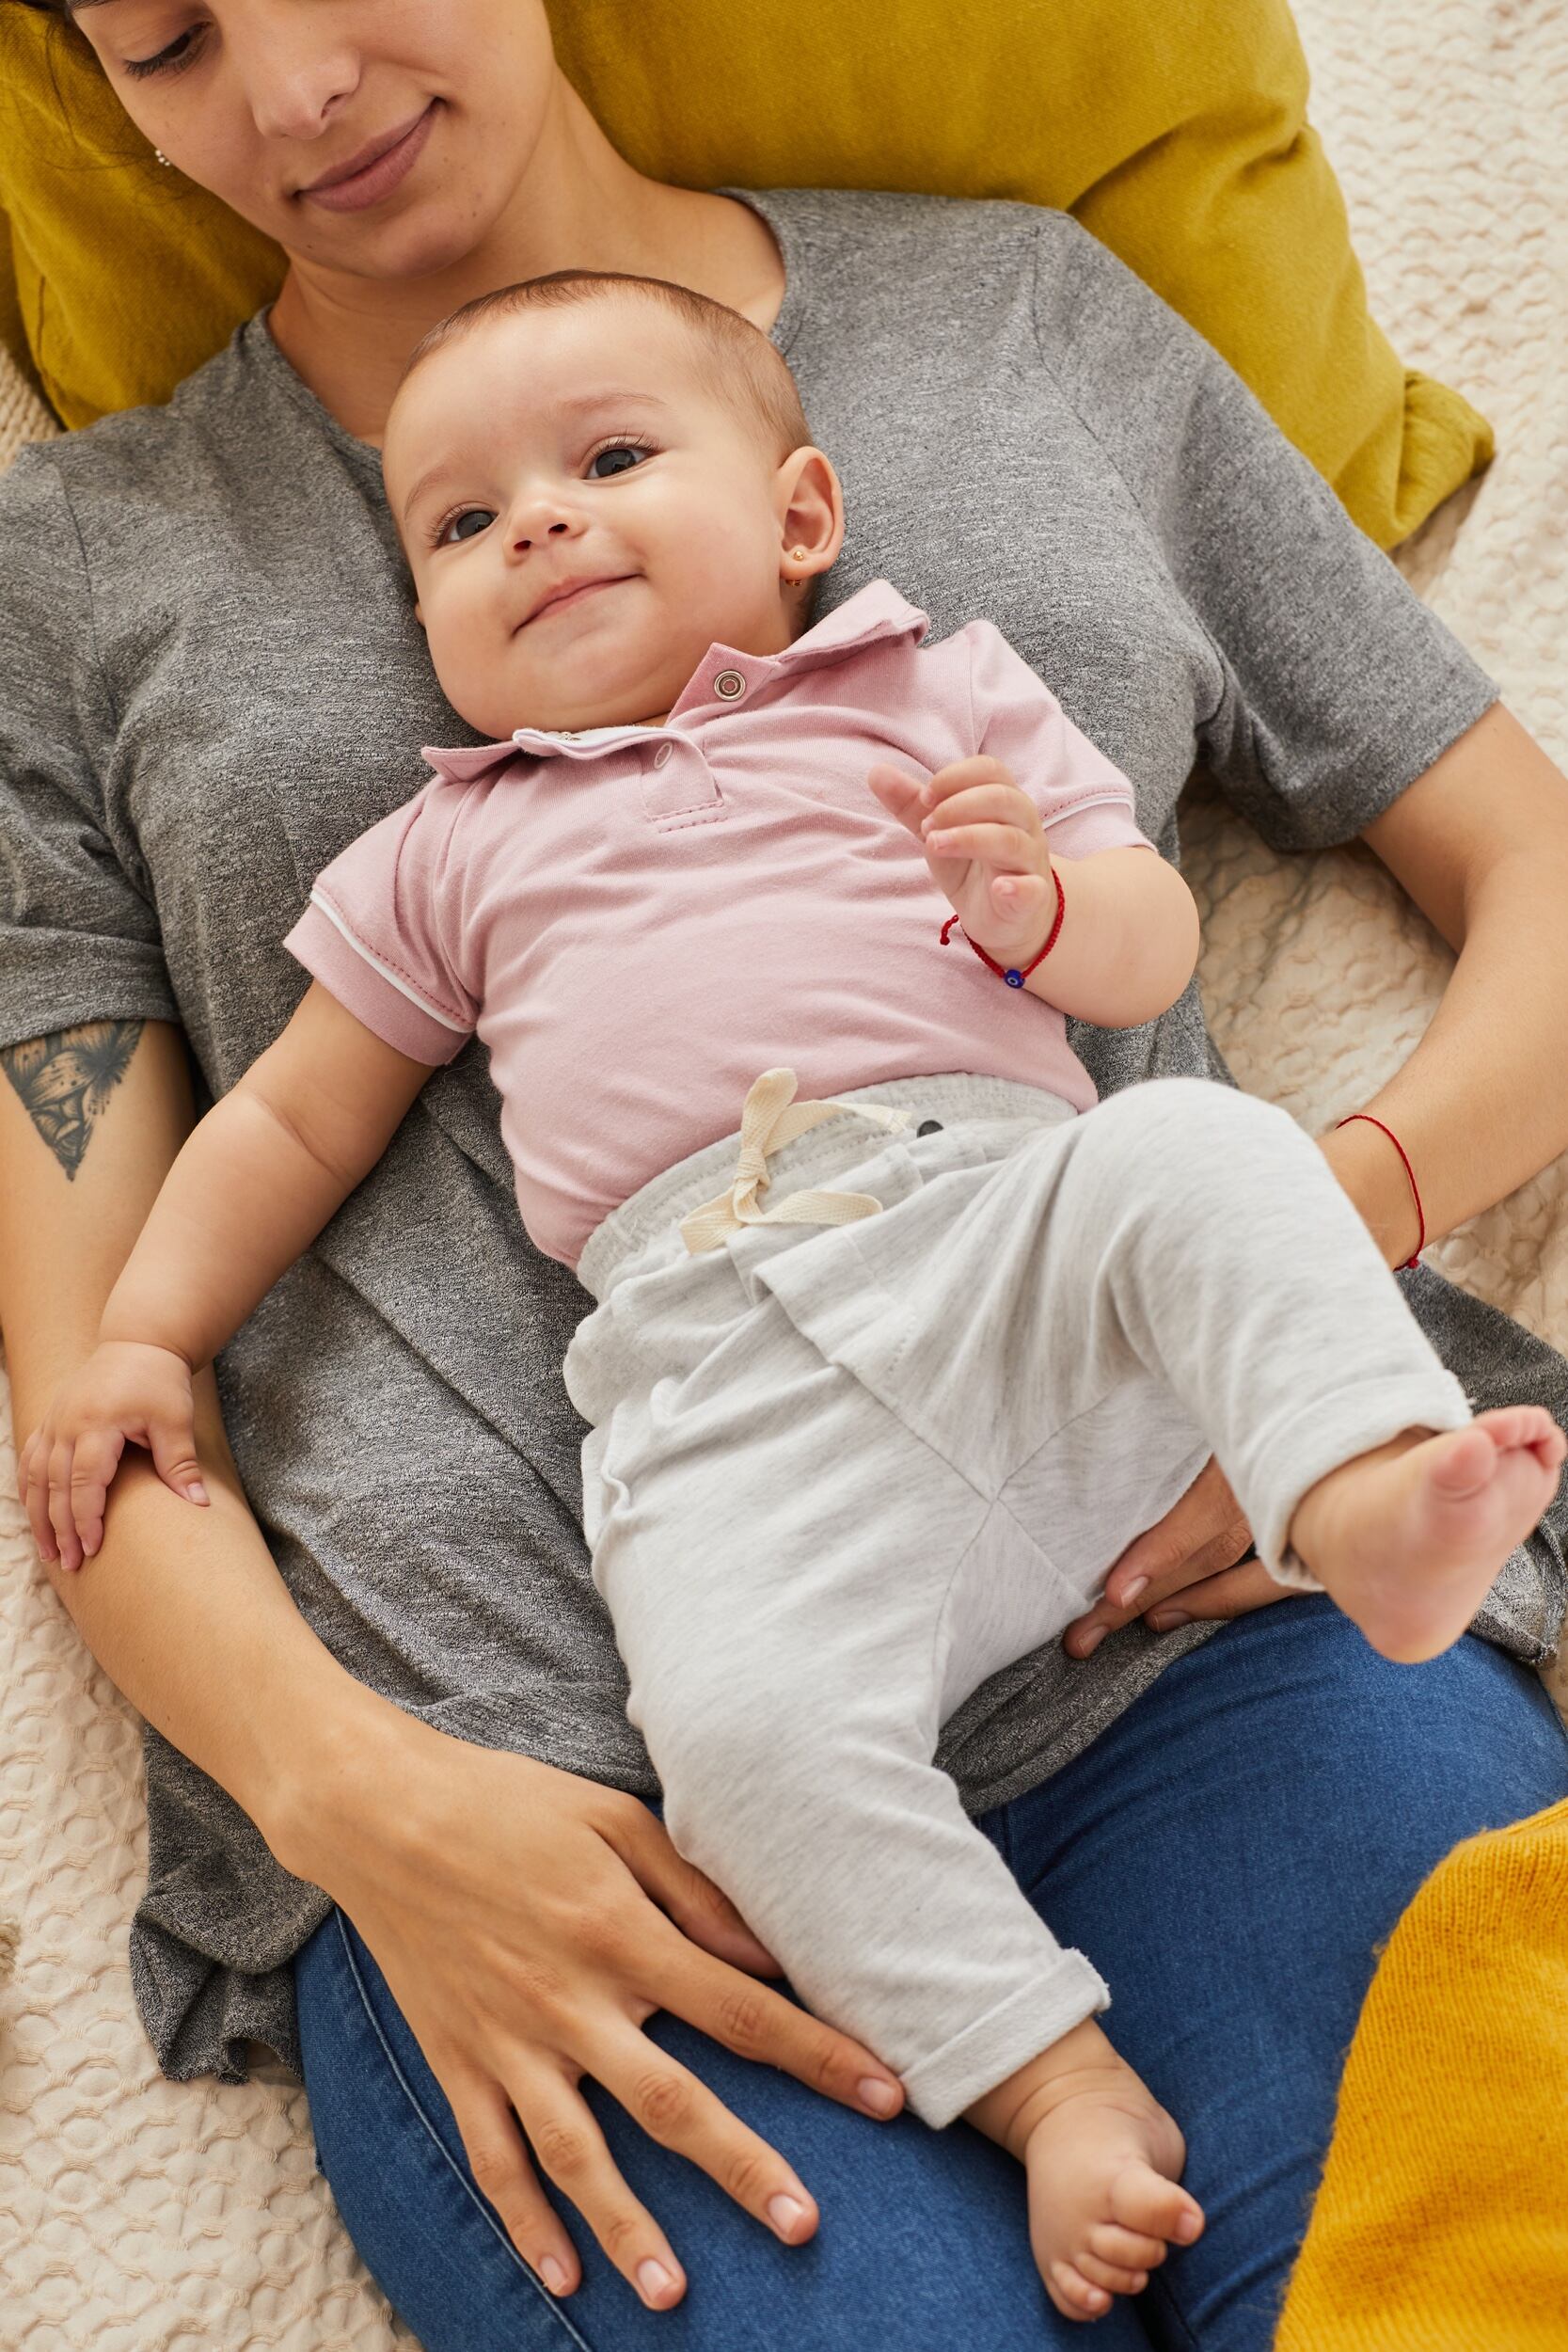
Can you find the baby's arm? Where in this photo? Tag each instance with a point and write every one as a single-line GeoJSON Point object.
{"type": "Point", "coordinates": [256, 1181]}
{"type": "Point", "coordinates": [1129, 936]}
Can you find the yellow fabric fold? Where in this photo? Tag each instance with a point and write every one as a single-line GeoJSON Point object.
{"type": "Point", "coordinates": [1442, 2221]}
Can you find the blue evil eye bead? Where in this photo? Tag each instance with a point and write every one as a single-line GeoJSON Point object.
{"type": "Point", "coordinates": [1014, 979]}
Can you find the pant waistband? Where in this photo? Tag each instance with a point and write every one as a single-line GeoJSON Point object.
{"type": "Point", "coordinates": [839, 1143]}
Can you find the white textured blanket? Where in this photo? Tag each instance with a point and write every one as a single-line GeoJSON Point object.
{"type": "Point", "coordinates": [137, 2216]}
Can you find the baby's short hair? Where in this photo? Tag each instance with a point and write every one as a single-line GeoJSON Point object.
{"type": "Point", "coordinates": [746, 369]}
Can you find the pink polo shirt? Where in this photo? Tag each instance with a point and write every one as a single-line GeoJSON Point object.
{"type": "Point", "coordinates": [638, 920]}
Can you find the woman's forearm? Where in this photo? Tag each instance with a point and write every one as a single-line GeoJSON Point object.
{"type": "Point", "coordinates": [182, 1608]}
{"type": "Point", "coordinates": [186, 1612]}
{"type": "Point", "coordinates": [1480, 842]}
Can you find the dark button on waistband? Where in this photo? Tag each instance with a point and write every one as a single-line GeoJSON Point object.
{"type": "Point", "coordinates": [929, 1127]}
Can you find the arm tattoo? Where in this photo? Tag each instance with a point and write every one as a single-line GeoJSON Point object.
{"type": "Point", "coordinates": [66, 1079]}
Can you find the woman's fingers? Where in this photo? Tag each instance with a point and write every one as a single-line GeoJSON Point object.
{"type": "Point", "coordinates": [501, 2167]}
{"type": "Point", "coordinates": [758, 2024]}
{"type": "Point", "coordinates": [682, 2114]}
{"type": "Point", "coordinates": [570, 2150]}
{"type": "Point", "coordinates": [691, 1898]}
{"type": "Point", "coordinates": [1201, 1533]}
{"type": "Point", "coordinates": [1233, 1593]}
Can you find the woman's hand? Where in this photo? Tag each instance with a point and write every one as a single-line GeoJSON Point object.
{"type": "Point", "coordinates": [1194, 1563]}
{"type": "Point", "coordinates": [528, 1924]}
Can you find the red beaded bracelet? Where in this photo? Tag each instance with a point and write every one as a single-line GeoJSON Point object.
{"type": "Point", "coordinates": [1415, 1189]}
{"type": "Point", "coordinates": [1015, 977]}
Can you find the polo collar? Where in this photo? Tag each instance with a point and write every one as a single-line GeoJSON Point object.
{"type": "Point", "coordinates": [875, 614]}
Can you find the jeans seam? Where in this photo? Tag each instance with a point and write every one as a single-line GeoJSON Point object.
{"type": "Point", "coordinates": [467, 2187]}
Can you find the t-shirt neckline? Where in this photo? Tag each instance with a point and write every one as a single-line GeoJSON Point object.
{"type": "Point", "coordinates": [265, 352]}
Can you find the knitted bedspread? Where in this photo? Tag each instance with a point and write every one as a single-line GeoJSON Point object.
{"type": "Point", "coordinates": [138, 2216]}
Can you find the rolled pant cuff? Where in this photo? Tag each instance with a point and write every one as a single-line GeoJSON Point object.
{"type": "Point", "coordinates": [1286, 1460]}
{"type": "Point", "coordinates": [942, 2087]}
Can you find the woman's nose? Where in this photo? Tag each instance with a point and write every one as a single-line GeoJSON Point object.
{"type": "Point", "coordinates": [298, 82]}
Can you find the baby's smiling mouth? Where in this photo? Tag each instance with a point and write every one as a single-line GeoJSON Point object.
{"type": "Point", "coordinates": [569, 592]}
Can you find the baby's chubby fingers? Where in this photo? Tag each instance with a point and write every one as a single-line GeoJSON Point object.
{"type": "Point", "coordinates": [172, 1446]}
{"type": "Point", "coordinates": [901, 794]}
{"type": "Point", "coordinates": [95, 1458]}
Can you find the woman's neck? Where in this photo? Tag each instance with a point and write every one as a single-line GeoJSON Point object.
{"type": "Point", "coordinates": [579, 206]}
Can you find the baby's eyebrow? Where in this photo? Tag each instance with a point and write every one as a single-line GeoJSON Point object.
{"type": "Point", "coordinates": [576, 404]}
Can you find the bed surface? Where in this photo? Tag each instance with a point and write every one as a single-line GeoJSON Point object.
{"type": "Point", "coordinates": [138, 2216]}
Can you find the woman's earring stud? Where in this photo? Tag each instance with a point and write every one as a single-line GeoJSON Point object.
{"type": "Point", "coordinates": [161, 158]}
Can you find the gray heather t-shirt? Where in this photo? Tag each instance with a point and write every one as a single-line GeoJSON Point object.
{"type": "Point", "coordinates": [210, 680]}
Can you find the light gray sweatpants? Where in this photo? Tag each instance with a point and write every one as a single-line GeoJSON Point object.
{"type": "Point", "coordinates": [838, 1475]}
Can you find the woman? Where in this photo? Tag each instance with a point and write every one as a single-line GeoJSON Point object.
{"type": "Point", "coordinates": [210, 680]}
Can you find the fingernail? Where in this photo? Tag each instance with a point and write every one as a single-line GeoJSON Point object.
{"type": "Point", "coordinates": [652, 2279]}
{"type": "Point", "coordinates": [1091, 1642]}
{"type": "Point", "coordinates": [1130, 1592]}
{"type": "Point", "coordinates": [879, 2096]}
{"type": "Point", "coordinates": [553, 2276]}
{"type": "Point", "coordinates": [1187, 2227]}
{"type": "Point", "coordinates": [1168, 1619]}
{"type": "Point", "coordinates": [197, 1491]}
{"type": "Point", "coordinates": [785, 2212]}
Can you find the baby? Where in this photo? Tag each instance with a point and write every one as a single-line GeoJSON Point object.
{"type": "Point", "coordinates": [878, 1383]}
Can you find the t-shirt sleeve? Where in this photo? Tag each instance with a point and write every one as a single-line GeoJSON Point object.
{"type": "Point", "coordinates": [1085, 802]}
{"type": "Point", "coordinates": [378, 932]}
{"type": "Point", "coordinates": [1338, 686]}
{"type": "Point", "coordinates": [79, 935]}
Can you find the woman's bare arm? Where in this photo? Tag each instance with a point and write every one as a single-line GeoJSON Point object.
{"type": "Point", "coordinates": [90, 1123]}
{"type": "Point", "coordinates": [527, 1922]}
{"type": "Point", "coordinates": [1480, 843]}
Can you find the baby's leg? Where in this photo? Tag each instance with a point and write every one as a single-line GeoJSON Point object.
{"type": "Point", "coordinates": [778, 1552]}
{"type": "Point", "coordinates": [781, 1557]}
{"type": "Point", "coordinates": [1216, 1251]}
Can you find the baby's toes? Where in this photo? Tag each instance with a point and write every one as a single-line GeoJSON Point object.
{"type": "Point", "coordinates": [1113, 2277]}
{"type": "Point", "coordinates": [1125, 2249]}
{"type": "Point", "coordinates": [1073, 2295]}
{"type": "Point", "coordinates": [1144, 2200]}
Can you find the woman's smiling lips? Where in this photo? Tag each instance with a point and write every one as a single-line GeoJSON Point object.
{"type": "Point", "coordinates": [375, 171]}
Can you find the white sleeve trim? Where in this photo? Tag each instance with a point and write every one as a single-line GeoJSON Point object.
{"type": "Point", "coordinates": [393, 980]}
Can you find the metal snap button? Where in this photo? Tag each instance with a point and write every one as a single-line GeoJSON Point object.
{"type": "Point", "coordinates": [662, 754]}
{"type": "Point", "coordinates": [729, 684]}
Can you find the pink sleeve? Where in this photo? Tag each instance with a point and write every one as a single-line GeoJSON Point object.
{"type": "Point", "coordinates": [1084, 799]}
{"type": "Point", "coordinates": [373, 933]}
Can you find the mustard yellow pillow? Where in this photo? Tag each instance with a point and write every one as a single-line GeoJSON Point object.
{"type": "Point", "coordinates": [1175, 130]}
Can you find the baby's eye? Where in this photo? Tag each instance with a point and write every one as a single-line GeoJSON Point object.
{"type": "Point", "coordinates": [617, 449]}
{"type": "Point", "coordinates": [472, 520]}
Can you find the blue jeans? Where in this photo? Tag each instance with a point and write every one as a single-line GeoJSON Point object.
{"type": "Point", "coordinates": [1229, 1853]}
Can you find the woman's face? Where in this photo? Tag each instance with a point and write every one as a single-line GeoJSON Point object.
{"type": "Point", "coordinates": [382, 138]}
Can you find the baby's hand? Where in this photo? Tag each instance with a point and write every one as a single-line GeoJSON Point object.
{"type": "Point", "coordinates": [1103, 2159]}
{"type": "Point", "coordinates": [986, 849]}
{"type": "Point", "coordinates": [126, 1393]}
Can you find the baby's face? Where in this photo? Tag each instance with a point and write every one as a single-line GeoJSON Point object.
{"type": "Point", "coordinates": [578, 449]}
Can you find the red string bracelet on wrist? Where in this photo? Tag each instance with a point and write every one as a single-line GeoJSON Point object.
{"type": "Point", "coordinates": [1415, 1187]}
{"type": "Point", "coordinates": [1016, 974]}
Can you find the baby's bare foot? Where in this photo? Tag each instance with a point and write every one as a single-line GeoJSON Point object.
{"type": "Point", "coordinates": [1409, 1538]}
{"type": "Point", "coordinates": [1103, 2159]}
